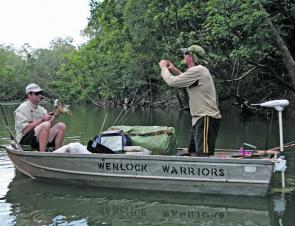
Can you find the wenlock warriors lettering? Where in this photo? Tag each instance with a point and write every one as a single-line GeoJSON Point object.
{"type": "Point", "coordinates": [153, 169]}
{"type": "Point", "coordinates": [199, 171]}
{"type": "Point", "coordinates": [136, 167]}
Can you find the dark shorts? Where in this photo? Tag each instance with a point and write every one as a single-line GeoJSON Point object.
{"type": "Point", "coordinates": [203, 136]}
{"type": "Point", "coordinates": [30, 139]}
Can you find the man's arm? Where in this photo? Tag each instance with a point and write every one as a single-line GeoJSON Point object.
{"type": "Point", "coordinates": [174, 70]}
{"type": "Point", "coordinates": [168, 64]}
{"type": "Point", "coordinates": [182, 80]}
{"type": "Point", "coordinates": [46, 117]}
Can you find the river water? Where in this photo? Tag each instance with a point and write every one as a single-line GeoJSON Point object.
{"type": "Point", "coordinates": [24, 201]}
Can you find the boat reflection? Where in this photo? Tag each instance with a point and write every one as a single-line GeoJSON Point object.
{"type": "Point", "coordinates": [34, 203]}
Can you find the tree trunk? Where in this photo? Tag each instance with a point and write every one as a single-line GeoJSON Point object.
{"type": "Point", "coordinates": [182, 99]}
{"type": "Point", "coordinates": [84, 92]}
{"type": "Point", "coordinates": [286, 55]}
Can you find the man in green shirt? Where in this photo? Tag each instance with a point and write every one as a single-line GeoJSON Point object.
{"type": "Point", "coordinates": [202, 99]}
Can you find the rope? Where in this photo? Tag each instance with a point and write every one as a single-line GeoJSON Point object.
{"type": "Point", "coordinates": [286, 146]}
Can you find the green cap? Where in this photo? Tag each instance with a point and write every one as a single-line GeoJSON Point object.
{"type": "Point", "coordinates": [197, 52]}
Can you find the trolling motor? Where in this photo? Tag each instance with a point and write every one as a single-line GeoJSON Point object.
{"type": "Point", "coordinates": [279, 105]}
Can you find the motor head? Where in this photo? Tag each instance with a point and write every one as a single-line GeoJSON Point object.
{"type": "Point", "coordinates": [277, 104]}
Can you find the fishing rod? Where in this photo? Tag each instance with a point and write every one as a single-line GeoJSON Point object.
{"type": "Point", "coordinates": [117, 119]}
{"type": "Point", "coordinates": [137, 102]}
{"type": "Point", "coordinates": [58, 106]}
{"type": "Point", "coordinates": [135, 106]}
{"type": "Point", "coordinates": [269, 130]}
{"type": "Point", "coordinates": [8, 128]}
{"type": "Point", "coordinates": [103, 123]}
{"type": "Point", "coordinates": [47, 99]}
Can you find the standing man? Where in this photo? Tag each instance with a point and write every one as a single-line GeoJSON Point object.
{"type": "Point", "coordinates": [34, 126]}
{"type": "Point", "coordinates": [202, 99]}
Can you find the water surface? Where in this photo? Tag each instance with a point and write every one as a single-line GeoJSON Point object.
{"type": "Point", "coordinates": [24, 201]}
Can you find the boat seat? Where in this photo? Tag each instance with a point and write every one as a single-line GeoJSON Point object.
{"type": "Point", "coordinates": [26, 147]}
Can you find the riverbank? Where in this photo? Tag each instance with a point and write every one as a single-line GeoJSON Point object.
{"type": "Point", "coordinates": [179, 103]}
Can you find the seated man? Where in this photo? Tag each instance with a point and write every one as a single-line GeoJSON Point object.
{"type": "Point", "coordinates": [34, 126]}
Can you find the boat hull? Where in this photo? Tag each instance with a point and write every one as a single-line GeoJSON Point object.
{"type": "Point", "coordinates": [121, 206]}
{"type": "Point", "coordinates": [163, 173]}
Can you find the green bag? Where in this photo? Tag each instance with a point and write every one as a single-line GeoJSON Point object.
{"type": "Point", "coordinates": [160, 140]}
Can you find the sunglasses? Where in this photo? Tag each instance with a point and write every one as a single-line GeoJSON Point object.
{"type": "Point", "coordinates": [186, 53]}
{"type": "Point", "coordinates": [36, 93]}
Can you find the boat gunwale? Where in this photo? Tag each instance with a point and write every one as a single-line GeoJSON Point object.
{"type": "Point", "coordinates": [267, 161]}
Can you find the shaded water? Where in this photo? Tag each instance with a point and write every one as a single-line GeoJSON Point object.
{"type": "Point", "coordinates": [24, 201]}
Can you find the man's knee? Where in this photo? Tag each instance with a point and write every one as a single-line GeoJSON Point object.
{"type": "Point", "coordinates": [45, 125]}
{"type": "Point", "coordinates": [61, 126]}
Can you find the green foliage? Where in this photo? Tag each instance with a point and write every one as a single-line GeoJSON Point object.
{"type": "Point", "coordinates": [11, 69]}
{"type": "Point", "coordinates": [19, 68]}
{"type": "Point", "coordinates": [127, 39]}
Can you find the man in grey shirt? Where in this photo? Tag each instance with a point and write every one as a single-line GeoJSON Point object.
{"type": "Point", "coordinates": [34, 126]}
{"type": "Point", "coordinates": [202, 99]}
